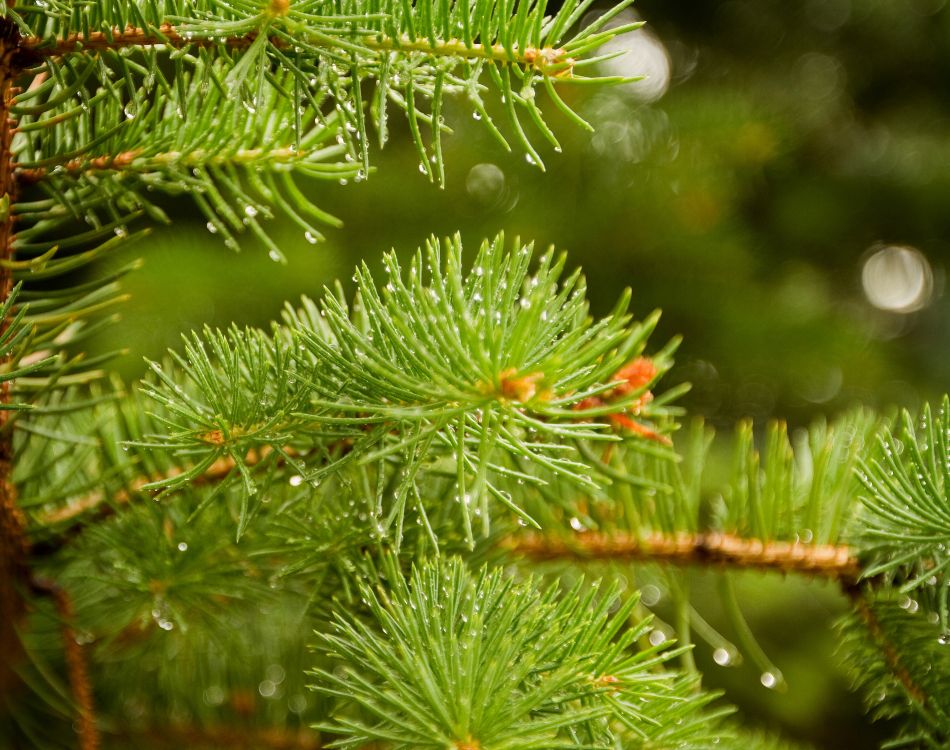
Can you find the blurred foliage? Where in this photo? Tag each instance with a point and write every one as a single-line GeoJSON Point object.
{"type": "Point", "coordinates": [793, 139]}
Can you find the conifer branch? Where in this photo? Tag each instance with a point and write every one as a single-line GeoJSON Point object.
{"type": "Point", "coordinates": [548, 60]}
{"type": "Point", "coordinates": [837, 562]}
{"type": "Point", "coordinates": [892, 658]}
{"type": "Point", "coordinates": [165, 35]}
{"type": "Point", "coordinates": [98, 506]}
{"type": "Point", "coordinates": [135, 161]}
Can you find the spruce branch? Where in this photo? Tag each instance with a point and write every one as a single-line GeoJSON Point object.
{"type": "Point", "coordinates": [789, 505]}
{"type": "Point", "coordinates": [458, 659]}
{"type": "Point", "coordinates": [906, 521]}
{"type": "Point", "coordinates": [555, 61]}
{"type": "Point", "coordinates": [439, 370]}
{"type": "Point", "coordinates": [415, 55]}
{"type": "Point", "coordinates": [898, 658]}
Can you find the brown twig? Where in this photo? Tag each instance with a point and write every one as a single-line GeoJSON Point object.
{"type": "Point", "coordinates": [96, 501]}
{"type": "Point", "coordinates": [164, 35]}
{"type": "Point", "coordinates": [863, 607]}
{"type": "Point", "coordinates": [76, 665]}
{"type": "Point", "coordinates": [837, 562]}
{"type": "Point", "coordinates": [237, 738]}
{"type": "Point", "coordinates": [98, 506]}
{"type": "Point", "coordinates": [135, 161]}
{"type": "Point", "coordinates": [74, 166]}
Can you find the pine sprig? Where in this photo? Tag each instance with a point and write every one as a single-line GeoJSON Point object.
{"type": "Point", "coordinates": [223, 56]}
{"type": "Point", "coordinates": [445, 372]}
{"type": "Point", "coordinates": [462, 660]}
{"type": "Point", "coordinates": [905, 530]}
{"type": "Point", "coordinates": [788, 491]}
{"type": "Point", "coordinates": [900, 660]}
{"type": "Point", "coordinates": [92, 153]}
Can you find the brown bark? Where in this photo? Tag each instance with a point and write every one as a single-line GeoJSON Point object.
{"type": "Point", "coordinates": [237, 738]}
{"type": "Point", "coordinates": [119, 161]}
{"type": "Point", "coordinates": [14, 546]}
{"type": "Point", "coordinates": [76, 665]}
{"type": "Point", "coordinates": [829, 561]}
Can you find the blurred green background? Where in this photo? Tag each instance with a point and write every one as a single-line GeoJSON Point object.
{"type": "Point", "coordinates": [779, 186]}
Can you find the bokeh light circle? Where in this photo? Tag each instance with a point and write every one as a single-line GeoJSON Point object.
{"type": "Point", "coordinates": [897, 278]}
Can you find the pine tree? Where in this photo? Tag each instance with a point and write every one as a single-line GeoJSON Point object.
{"type": "Point", "coordinates": [372, 498]}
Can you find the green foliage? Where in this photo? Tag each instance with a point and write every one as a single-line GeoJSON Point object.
{"type": "Point", "coordinates": [909, 683]}
{"type": "Point", "coordinates": [463, 375]}
{"type": "Point", "coordinates": [226, 101]}
{"type": "Point", "coordinates": [799, 489]}
{"type": "Point", "coordinates": [906, 525]}
{"type": "Point", "coordinates": [435, 416]}
{"type": "Point", "coordinates": [779, 487]}
{"type": "Point", "coordinates": [230, 103]}
{"type": "Point", "coordinates": [461, 660]}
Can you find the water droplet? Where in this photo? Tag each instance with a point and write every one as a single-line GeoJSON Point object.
{"type": "Point", "coordinates": [296, 480]}
{"type": "Point", "coordinates": [130, 110]}
{"type": "Point", "coordinates": [310, 237]}
{"type": "Point", "coordinates": [650, 595]}
{"type": "Point", "coordinates": [576, 524]}
{"type": "Point", "coordinates": [768, 679]}
{"type": "Point", "coordinates": [182, 546]}
{"type": "Point", "coordinates": [250, 211]}
{"type": "Point", "coordinates": [657, 637]}
{"type": "Point", "coordinates": [722, 657]}
{"type": "Point", "coordinates": [211, 227]}
{"type": "Point", "coordinates": [909, 604]}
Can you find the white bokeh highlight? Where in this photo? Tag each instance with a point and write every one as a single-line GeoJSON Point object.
{"type": "Point", "coordinates": [897, 278]}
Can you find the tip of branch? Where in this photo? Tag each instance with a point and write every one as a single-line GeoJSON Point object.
{"type": "Point", "coordinates": [278, 8]}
